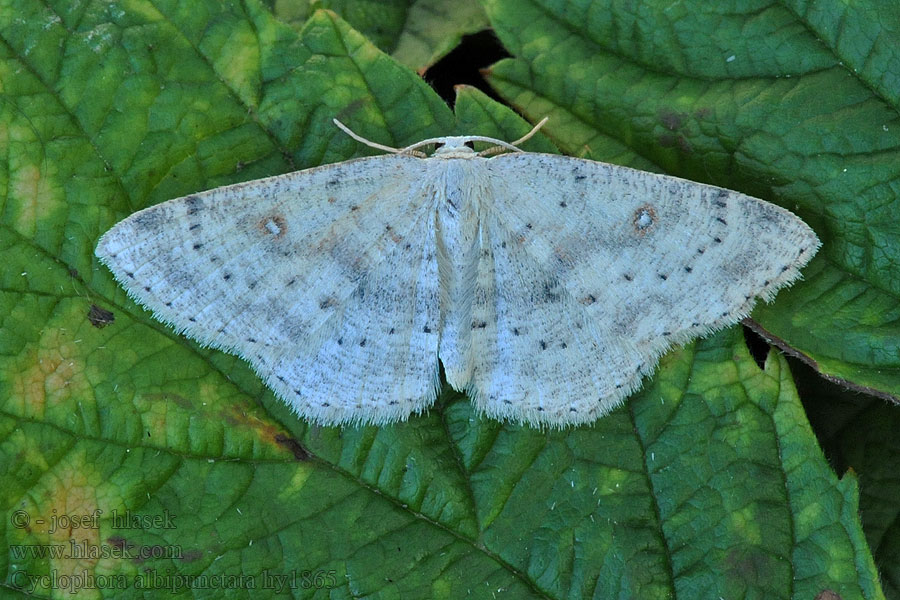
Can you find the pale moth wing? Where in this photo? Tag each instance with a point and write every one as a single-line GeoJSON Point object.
{"type": "Point", "coordinates": [629, 262]}
{"type": "Point", "coordinates": [325, 280]}
{"type": "Point", "coordinates": [547, 286]}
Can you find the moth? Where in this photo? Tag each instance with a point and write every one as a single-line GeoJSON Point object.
{"type": "Point", "coordinates": [547, 286]}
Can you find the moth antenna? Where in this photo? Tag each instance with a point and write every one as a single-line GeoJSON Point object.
{"type": "Point", "coordinates": [497, 149]}
{"type": "Point", "coordinates": [494, 150]}
{"type": "Point", "coordinates": [363, 140]}
{"type": "Point", "coordinates": [533, 131]}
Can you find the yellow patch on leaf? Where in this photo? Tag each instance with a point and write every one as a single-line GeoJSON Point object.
{"type": "Point", "coordinates": [35, 197]}
{"type": "Point", "coordinates": [49, 375]}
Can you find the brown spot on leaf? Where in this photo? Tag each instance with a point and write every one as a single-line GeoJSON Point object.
{"type": "Point", "coordinates": [117, 542]}
{"type": "Point", "coordinates": [828, 595]}
{"type": "Point", "coordinates": [293, 446]}
{"type": "Point", "coordinates": [100, 317]}
{"type": "Point", "coordinates": [670, 119]}
{"type": "Point", "coordinates": [191, 556]}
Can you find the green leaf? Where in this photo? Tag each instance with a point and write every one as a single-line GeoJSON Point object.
{"type": "Point", "coordinates": [794, 103]}
{"type": "Point", "coordinates": [416, 33]}
{"type": "Point", "coordinates": [859, 435]}
{"type": "Point", "coordinates": [708, 483]}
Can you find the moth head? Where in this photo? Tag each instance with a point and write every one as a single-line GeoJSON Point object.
{"type": "Point", "coordinates": [454, 147]}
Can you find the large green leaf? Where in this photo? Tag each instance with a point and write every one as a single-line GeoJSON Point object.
{"type": "Point", "coordinates": [795, 103]}
{"type": "Point", "coordinates": [708, 483]}
{"type": "Point", "coordinates": [859, 434]}
{"type": "Point", "coordinates": [417, 33]}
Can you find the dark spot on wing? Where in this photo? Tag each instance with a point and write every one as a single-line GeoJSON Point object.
{"type": "Point", "coordinates": [327, 302]}
{"type": "Point", "coordinates": [717, 240]}
{"type": "Point", "coordinates": [426, 329]}
{"type": "Point", "coordinates": [197, 246]}
{"type": "Point", "coordinates": [147, 219]}
{"type": "Point", "coordinates": [193, 204]}
{"type": "Point", "coordinates": [551, 294]}
{"type": "Point", "coordinates": [663, 276]}
{"type": "Point", "coordinates": [644, 219]}
{"type": "Point", "coordinates": [515, 331]}
{"type": "Point", "coordinates": [226, 276]}
{"type": "Point", "coordinates": [628, 277]}
{"type": "Point", "coordinates": [588, 300]}
{"type": "Point", "coordinates": [194, 226]}
{"type": "Point", "coordinates": [362, 343]}
{"type": "Point", "coordinates": [721, 220]}
{"type": "Point", "coordinates": [273, 225]}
